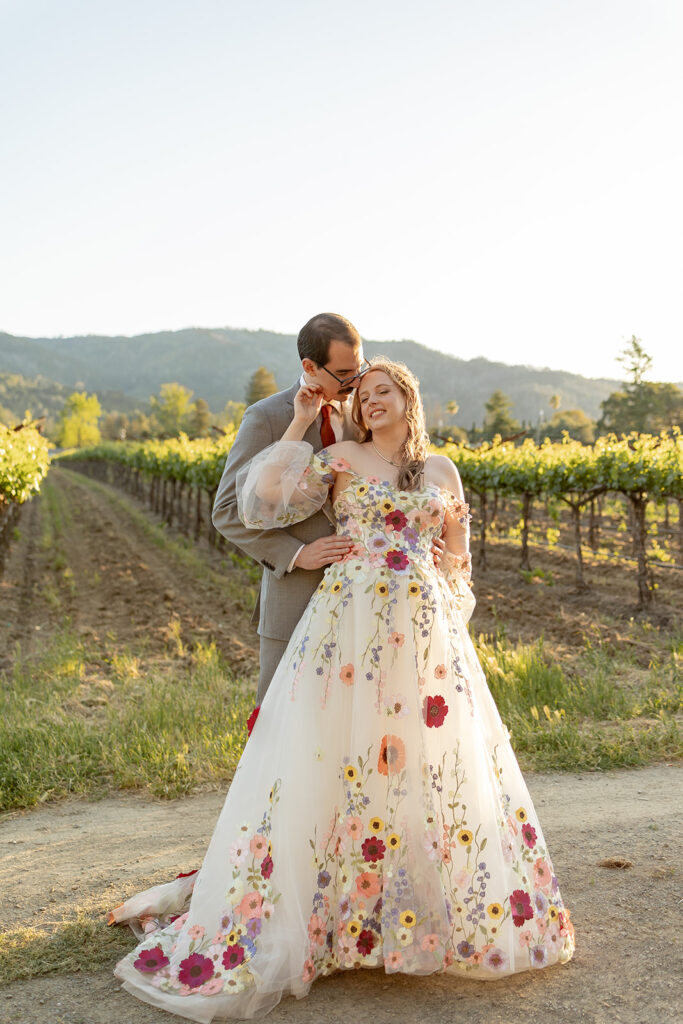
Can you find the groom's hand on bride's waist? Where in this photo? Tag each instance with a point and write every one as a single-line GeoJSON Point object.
{"type": "Point", "coordinates": [438, 550]}
{"type": "Point", "coordinates": [323, 552]}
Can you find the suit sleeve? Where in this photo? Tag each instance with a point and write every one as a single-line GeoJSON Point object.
{"type": "Point", "coordinates": [273, 548]}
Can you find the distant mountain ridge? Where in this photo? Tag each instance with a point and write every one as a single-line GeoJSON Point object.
{"type": "Point", "coordinates": [216, 364]}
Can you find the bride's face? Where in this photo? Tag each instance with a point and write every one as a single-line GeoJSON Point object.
{"type": "Point", "coordinates": [381, 401]}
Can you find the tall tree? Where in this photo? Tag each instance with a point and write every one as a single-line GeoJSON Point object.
{"type": "Point", "coordinates": [200, 418]}
{"type": "Point", "coordinates": [78, 421]}
{"type": "Point", "coordinates": [643, 406]}
{"type": "Point", "coordinates": [498, 419]}
{"type": "Point", "coordinates": [261, 384]}
{"type": "Point", "coordinates": [635, 361]}
{"type": "Point", "coordinates": [171, 408]}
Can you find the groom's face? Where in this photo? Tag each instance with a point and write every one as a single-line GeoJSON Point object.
{"type": "Point", "coordinates": [343, 361]}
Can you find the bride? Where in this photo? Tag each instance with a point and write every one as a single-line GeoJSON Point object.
{"type": "Point", "coordinates": [378, 817]}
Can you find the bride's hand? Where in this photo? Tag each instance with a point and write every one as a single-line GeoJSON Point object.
{"type": "Point", "coordinates": [307, 403]}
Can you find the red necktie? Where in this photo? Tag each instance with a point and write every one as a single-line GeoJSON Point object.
{"type": "Point", "coordinates": [326, 431]}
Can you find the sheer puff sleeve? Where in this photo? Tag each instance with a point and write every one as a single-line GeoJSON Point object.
{"type": "Point", "coordinates": [456, 563]}
{"type": "Point", "coordinates": [284, 484]}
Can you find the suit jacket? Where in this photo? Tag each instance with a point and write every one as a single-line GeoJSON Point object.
{"type": "Point", "coordinates": [283, 596]}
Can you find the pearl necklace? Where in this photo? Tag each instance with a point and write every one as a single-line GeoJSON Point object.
{"type": "Point", "coordinates": [396, 465]}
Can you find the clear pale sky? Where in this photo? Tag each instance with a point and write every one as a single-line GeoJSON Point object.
{"type": "Point", "coordinates": [489, 178]}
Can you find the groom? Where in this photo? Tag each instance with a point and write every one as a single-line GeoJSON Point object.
{"type": "Point", "coordinates": [293, 558]}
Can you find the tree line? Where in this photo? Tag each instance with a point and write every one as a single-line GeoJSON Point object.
{"type": "Point", "coordinates": [639, 405]}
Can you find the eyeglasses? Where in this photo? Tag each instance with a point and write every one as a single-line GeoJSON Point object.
{"type": "Point", "coordinates": [344, 381]}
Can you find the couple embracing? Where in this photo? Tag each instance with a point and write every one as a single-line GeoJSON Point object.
{"type": "Point", "coordinates": [378, 817]}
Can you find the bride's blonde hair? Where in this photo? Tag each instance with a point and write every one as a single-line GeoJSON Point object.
{"type": "Point", "coordinates": [416, 447]}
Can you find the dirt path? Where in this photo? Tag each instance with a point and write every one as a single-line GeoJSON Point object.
{"type": "Point", "coordinates": [91, 855]}
{"type": "Point", "coordinates": [84, 553]}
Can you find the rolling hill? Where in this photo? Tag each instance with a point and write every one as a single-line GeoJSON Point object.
{"type": "Point", "coordinates": [217, 364]}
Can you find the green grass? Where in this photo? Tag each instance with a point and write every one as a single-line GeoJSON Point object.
{"type": "Point", "coordinates": [605, 711]}
{"type": "Point", "coordinates": [82, 721]}
{"type": "Point", "coordinates": [81, 944]}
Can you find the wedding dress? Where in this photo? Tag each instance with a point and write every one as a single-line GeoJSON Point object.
{"type": "Point", "coordinates": [378, 817]}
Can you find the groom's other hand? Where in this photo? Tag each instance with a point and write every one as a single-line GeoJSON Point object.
{"type": "Point", "coordinates": [322, 552]}
{"type": "Point", "coordinates": [438, 550]}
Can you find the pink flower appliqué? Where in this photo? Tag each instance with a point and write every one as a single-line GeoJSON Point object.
{"type": "Point", "coordinates": [250, 906]}
{"type": "Point", "coordinates": [258, 846]}
{"type": "Point", "coordinates": [542, 873]}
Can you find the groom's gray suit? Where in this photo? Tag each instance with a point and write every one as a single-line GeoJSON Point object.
{"type": "Point", "coordinates": [283, 595]}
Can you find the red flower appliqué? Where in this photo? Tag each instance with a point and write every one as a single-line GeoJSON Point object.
{"type": "Point", "coordinates": [151, 960]}
{"type": "Point", "coordinates": [251, 721]}
{"type": "Point", "coordinates": [267, 866]}
{"type": "Point", "coordinates": [233, 957]}
{"type": "Point", "coordinates": [529, 835]}
{"type": "Point", "coordinates": [520, 904]}
{"type": "Point", "coordinates": [396, 560]}
{"type": "Point", "coordinates": [395, 520]}
{"type": "Point", "coordinates": [195, 970]}
{"type": "Point", "coordinates": [373, 849]}
{"type": "Point", "coordinates": [366, 942]}
{"type": "Point", "coordinates": [435, 710]}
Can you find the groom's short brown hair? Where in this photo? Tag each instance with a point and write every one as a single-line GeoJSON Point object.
{"type": "Point", "coordinates": [315, 336]}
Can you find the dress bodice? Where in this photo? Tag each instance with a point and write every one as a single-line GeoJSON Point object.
{"type": "Point", "coordinates": [390, 527]}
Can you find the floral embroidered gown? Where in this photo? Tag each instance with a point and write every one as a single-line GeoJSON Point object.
{"type": "Point", "coordinates": [378, 816]}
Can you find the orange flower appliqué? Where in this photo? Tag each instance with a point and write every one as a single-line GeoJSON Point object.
{"type": "Point", "coordinates": [392, 756]}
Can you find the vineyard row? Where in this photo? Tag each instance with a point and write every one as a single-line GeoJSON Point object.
{"type": "Point", "coordinates": [179, 478]}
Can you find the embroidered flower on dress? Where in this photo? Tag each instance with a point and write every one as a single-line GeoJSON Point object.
{"type": "Point", "coordinates": [195, 970]}
{"type": "Point", "coordinates": [151, 960]}
{"type": "Point", "coordinates": [529, 835]}
{"type": "Point", "coordinates": [520, 905]}
{"type": "Point", "coordinates": [392, 756]}
{"type": "Point", "coordinates": [233, 957]}
{"type": "Point", "coordinates": [435, 710]}
{"type": "Point", "coordinates": [395, 520]}
{"type": "Point", "coordinates": [347, 675]}
{"type": "Point", "coordinates": [373, 849]}
{"type": "Point", "coordinates": [397, 560]}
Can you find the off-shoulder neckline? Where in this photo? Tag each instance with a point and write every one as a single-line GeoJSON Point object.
{"type": "Point", "coordinates": [376, 481]}
{"type": "Point", "coordinates": [372, 480]}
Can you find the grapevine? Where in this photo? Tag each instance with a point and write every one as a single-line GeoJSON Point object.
{"type": "Point", "coordinates": [24, 461]}
{"type": "Point", "coordinates": [642, 468]}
